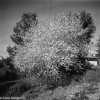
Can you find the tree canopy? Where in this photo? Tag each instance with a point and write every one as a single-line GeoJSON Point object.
{"type": "Point", "coordinates": [28, 21]}
{"type": "Point", "coordinates": [60, 41]}
{"type": "Point", "coordinates": [87, 25]}
{"type": "Point", "coordinates": [21, 29]}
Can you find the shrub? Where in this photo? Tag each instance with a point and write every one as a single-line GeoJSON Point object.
{"type": "Point", "coordinates": [92, 76]}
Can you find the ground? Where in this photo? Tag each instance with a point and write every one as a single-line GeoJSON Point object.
{"type": "Point", "coordinates": [87, 89]}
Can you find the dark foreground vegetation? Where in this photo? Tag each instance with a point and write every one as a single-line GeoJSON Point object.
{"type": "Point", "coordinates": [86, 88]}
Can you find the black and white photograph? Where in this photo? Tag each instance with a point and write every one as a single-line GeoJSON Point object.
{"type": "Point", "coordinates": [49, 49]}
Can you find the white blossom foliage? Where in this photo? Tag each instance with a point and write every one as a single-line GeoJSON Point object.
{"type": "Point", "coordinates": [52, 42]}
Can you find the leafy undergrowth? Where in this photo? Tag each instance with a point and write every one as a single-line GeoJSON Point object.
{"type": "Point", "coordinates": [22, 86]}
{"type": "Point", "coordinates": [83, 91]}
{"type": "Point", "coordinates": [87, 89]}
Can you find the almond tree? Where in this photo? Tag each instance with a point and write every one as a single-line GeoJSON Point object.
{"type": "Point", "coordinates": [53, 45]}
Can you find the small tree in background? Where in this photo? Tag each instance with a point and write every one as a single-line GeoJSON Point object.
{"type": "Point", "coordinates": [56, 47]}
{"type": "Point", "coordinates": [28, 21]}
{"type": "Point", "coordinates": [87, 25]}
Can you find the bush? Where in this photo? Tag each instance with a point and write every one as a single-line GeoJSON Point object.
{"type": "Point", "coordinates": [92, 76]}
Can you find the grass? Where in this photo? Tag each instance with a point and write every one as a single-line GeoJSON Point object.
{"type": "Point", "coordinates": [22, 86]}
{"type": "Point", "coordinates": [88, 88]}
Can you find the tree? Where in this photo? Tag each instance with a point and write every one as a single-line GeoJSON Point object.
{"type": "Point", "coordinates": [21, 29]}
{"type": "Point", "coordinates": [98, 47]}
{"type": "Point", "coordinates": [12, 53]}
{"type": "Point", "coordinates": [28, 21]}
{"type": "Point", "coordinates": [54, 45]}
{"type": "Point", "coordinates": [87, 25]}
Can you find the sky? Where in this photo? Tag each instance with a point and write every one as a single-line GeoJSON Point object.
{"type": "Point", "coordinates": [12, 10]}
